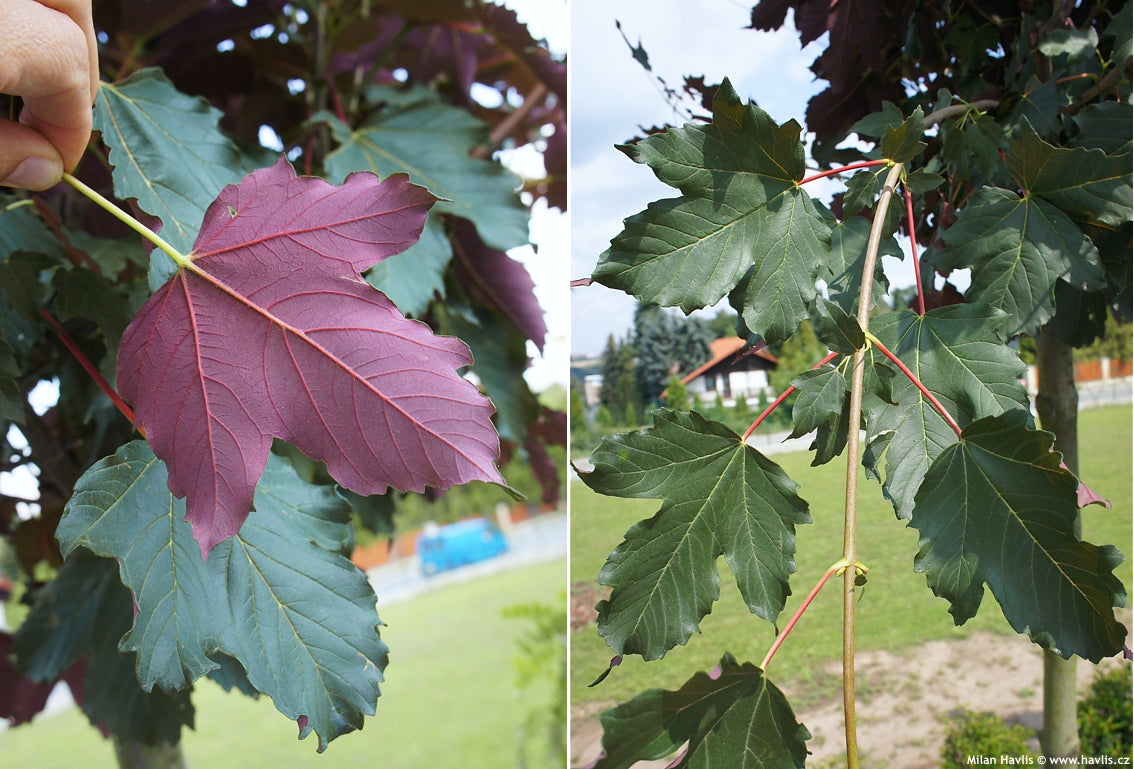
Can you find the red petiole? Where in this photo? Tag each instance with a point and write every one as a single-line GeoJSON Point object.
{"type": "Point", "coordinates": [89, 367]}
{"type": "Point", "coordinates": [844, 169]}
{"type": "Point", "coordinates": [917, 383]}
{"type": "Point", "coordinates": [772, 407]}
{"type": "Point", "coordinates": [913, 252]}
{"type": "Point", "coordinates": [836, 568]}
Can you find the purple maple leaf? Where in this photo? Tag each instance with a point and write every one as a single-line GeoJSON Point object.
{"type": "Point", "coordinates": [495, 279]}
{"type": "Point", "coordinates": [270, 331]}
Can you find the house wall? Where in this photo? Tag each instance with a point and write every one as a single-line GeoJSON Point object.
{"type": "Point", "coordinates": [747, 384]}
{"type": "Point", "coordinates": [731, 385]}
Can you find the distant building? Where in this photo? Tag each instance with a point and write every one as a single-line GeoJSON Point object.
{"type": "Point", "coordinates": [585, 370]}
{"type": "Point", "coordinates": [730, 373]}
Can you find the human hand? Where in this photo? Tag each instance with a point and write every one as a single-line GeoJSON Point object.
{"type": "Point", "coordinates": [49, 58]}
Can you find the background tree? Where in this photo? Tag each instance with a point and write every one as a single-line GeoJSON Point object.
{"type": "Point", "coordinates": [196, 95]}
{"type": "Point", "coordinates": [620, 391]}
{"type": "Point", "coordinates": [676, 395]}
{"type": "Point", "coordinates": [666, 344]}
{"type": "Point", "coordinates": [691, 338]}
{"type": "Point", "coordinates": [723, 324]}
{"type": "Point", "coordinates": [653, 341]}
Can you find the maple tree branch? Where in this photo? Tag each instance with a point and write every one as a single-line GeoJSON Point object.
{"type": "Point", "coordinates": [87, 365]}
{"type": "Point", "coordinates": [842, 563]}
{"type": "Point", "coordinates": [1102, 85]}
{"type": "Point", "coordinates": [780, 399]}
{"type": "Point", "coordinates": [917, 382]}
{"type": "Point", "coordinates": [129, 221]}
{"type": "Point", "coordinates": [959, 109]}
{"type": "Point", "coordinates": [913, 252]}
{"type": "Point", "coordinates": [508, 124]}
{"type": "Point", "coordinates": [854, 420]}
{"type": "Point", "coordinates": [844, 169]}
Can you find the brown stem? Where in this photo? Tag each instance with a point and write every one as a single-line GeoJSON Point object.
{"type": "Point", "coordinates": [1104, 83]}
{"type": "Point", "coordinates": [854, 420]}
{"type": "Point", "coordinates": [959, 109]}
{"type": "Point", "coordinates": [508, 124]}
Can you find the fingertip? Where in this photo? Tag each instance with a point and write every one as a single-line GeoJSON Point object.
{"type": "Point", "coordinates": [35, 173]}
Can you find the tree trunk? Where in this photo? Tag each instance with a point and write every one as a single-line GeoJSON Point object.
{"type": "Point", "coordinates": [135, 755]}
{"type": "Point", "coordinates": [1057, 405]}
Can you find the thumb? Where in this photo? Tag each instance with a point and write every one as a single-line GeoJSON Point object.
{"type": "Point", "coordinates": [27, 159]}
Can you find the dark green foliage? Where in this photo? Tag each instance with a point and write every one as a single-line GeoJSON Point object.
{"type": "Point", "coordinates": [971, 734]}
{"type": "Point", "coordinates": [603, 418]}
{"type": "Point", "coordinates": [736, 711]}
{"type": "Point", "coordinates": [654, 345]}
{"type": "Point", "coordinates": [620, 383]}
{"type": "Point", "coordinates": [1104, 715]}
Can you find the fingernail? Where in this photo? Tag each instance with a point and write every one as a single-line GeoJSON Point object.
{"type": "Point", "coordinates": [35, 174]}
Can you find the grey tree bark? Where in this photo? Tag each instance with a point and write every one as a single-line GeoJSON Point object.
{"type": "Point", "coordinates": [136, 755]}
{"type": "Point", "coordinates": [1057, 405]}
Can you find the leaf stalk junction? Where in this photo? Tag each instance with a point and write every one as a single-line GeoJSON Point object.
{"type": "Point", "coordinates": [180, 259]}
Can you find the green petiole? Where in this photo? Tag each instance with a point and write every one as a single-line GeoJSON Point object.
{"type": "Point", "coordinates": [180, 259]}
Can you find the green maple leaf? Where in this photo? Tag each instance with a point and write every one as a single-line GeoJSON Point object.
{"type": "Point", "coordinates": [412, 278]}
{"type": "Point", "coordinates": [1119, 27]}
{"type": "Point", "coordinates": [822, 405]}
{"type": "Point", "coordinates": [823, 402]}
{"type": "Point", "coordinates": [1038, 105]}
{"type": "Point", "coordinates": [997, 508]}
{"type": "Point", "coordinates": [1104, 126]}
{"type": "Point", "coordinates": [11, 399]}
{"type": "Point", "coordinates": [278, 597]}
{"type": "Point", "coordinates": [417, 133]}
{"type": "Point", "coordinates": [1018, 249]}
{"type": "Point", "coordinates": [1076, 44]}
{"type": "Point", "coordinates": [821, 395]}
{"type": "Point", "coordinates": [960, 354]}
{"type": "Point", "coordinates": [902, 143]}
{"type": "Point", "coordinates": [742, 223]}
{"type": "Point", "coordinates": [1088, 184]}
{"type": "Point", "coordinates": [838, 330]}
{"type": "Point", "coordinates": [168, 153]}
{"type": "Point", "coordinates": [847, 257]}
{"type": "Point", "coordinates": [739, 719]}
{"type": "Point", "coordinates": [81, 614]}
{"type": "Point", "coordinates": [877, 124]}
{"type": "Point", "coordinates": [720, 497]}
{"type": "Point", "coordinates": [499, 352]}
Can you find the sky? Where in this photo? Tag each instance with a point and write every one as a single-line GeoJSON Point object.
{"type": "Point", "coordinates": [612, 95]}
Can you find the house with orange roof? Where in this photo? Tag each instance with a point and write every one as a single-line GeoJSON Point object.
{"type": "Point", "coordinates": [732, 372]}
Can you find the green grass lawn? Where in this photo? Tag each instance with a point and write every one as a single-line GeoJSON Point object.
{"type": "Point", "coordinates": [449, 699]}
{"type": "Point", "coordinates": [896, 609]}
